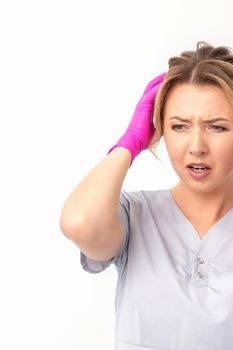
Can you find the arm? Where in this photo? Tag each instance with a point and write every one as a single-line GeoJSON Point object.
{"type": "Point", "coordinates": [89, 215]}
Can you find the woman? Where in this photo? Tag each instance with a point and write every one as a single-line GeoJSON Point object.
{"type": "Point", "coordinates": [173, 248]}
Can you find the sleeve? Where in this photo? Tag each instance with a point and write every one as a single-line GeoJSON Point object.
{"type": "Point", "coordinates": [94, 266]}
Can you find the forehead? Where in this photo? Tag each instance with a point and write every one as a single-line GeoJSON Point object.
{"type": "Point", "coordinates": [192, 100]}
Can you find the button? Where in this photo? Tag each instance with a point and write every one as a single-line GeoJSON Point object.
{"type": "Point", "coordinates": [200, 275]}
{"type": "Point", "coordinates": [200, 260]}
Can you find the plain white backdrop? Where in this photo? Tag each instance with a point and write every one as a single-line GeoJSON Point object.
{"type": "Point", "coordinates": [72, 73]}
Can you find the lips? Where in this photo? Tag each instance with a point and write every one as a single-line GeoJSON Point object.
{"type": "Point", "coordinates": [204, 165]}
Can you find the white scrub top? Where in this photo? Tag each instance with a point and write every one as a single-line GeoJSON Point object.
{"type": "Point", "coordinates": [174, 290]}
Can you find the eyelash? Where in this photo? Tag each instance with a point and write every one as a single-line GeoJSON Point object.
{"type": "Point", "coordinates": [215, 126]}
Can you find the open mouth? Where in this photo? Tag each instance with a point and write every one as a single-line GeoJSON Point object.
{"type": "Point", "coordinates": [199, 172]}
{"type": "Point", "coordinates": [198, 169]}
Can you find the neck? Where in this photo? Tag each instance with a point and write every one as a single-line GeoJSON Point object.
{"type": "Point", "coordinates": [200, 205]}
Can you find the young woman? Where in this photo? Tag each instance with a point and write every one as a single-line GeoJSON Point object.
{"type": "Point", "coordinates": [172, 248]}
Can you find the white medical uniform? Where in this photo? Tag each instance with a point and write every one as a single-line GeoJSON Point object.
{"type": "Point", "coordinates": [174, 290]}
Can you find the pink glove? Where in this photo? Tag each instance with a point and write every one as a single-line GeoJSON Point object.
{"type": "Point", "coordinates": [140, 130]}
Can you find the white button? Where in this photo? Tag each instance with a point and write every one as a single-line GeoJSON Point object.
{"type": "Point", "coordinates": [200, 275]}
{"type": "Point", "coordinates": [201, 260]}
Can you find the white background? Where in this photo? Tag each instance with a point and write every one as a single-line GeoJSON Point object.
{"type": "Point", "coordinates": [72, 73]}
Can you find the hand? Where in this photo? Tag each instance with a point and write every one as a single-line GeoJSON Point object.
{"type": "Point", "coordinates": [140, 129]}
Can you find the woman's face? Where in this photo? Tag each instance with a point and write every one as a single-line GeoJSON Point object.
{"type": "Point", "coordinates": [191, 136]}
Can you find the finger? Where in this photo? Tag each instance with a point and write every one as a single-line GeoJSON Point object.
{"type": "Point", "coordinates": [153, 91]}
{"type": "Point", "coordinates": [154, 82]}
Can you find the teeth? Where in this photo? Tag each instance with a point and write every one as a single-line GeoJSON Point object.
{"type": "Point", "coordinates": [198, 169]}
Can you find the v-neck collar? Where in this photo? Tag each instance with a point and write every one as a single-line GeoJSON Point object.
{"type": "Point", "coordinates": [215, 234]}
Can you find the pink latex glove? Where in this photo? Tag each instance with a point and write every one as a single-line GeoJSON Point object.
{"type": "Point", "coordinates": [140, 130]}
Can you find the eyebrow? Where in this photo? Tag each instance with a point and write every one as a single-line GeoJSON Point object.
{"type": "Point", "coordinates": [205, 121]}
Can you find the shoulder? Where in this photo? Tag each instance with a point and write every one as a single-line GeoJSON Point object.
{"type": "Point", "coordinates": [145, 198]}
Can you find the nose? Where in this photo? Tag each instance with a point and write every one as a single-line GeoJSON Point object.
{"type": "Point", "coordinates": [198, 144]}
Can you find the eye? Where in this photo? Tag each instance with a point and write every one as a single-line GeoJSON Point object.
{"type": "Point", "coordinates": [219, 128]}
{"type": "Point", "coordinates": [177, 127]}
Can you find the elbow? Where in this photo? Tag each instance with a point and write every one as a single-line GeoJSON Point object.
{"type": "Point", "coordinates": [71, 228]}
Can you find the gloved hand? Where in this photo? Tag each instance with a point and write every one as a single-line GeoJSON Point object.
{"type": "Point", "coordinates": [141, 129]}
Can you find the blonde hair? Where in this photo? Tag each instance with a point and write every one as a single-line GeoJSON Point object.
{"type": "Point", "coordinates": [207, 65]}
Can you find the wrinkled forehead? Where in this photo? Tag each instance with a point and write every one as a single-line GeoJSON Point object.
{"type": "Point", "coordinates": [194, 101]}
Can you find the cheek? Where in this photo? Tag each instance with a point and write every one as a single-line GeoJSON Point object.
{"type": "Point", "coordinates": [223, 151]}
{"type": "Point", "coordinates": [225, 156]}
{"type": "Point", "coordinates": [176, 149]}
